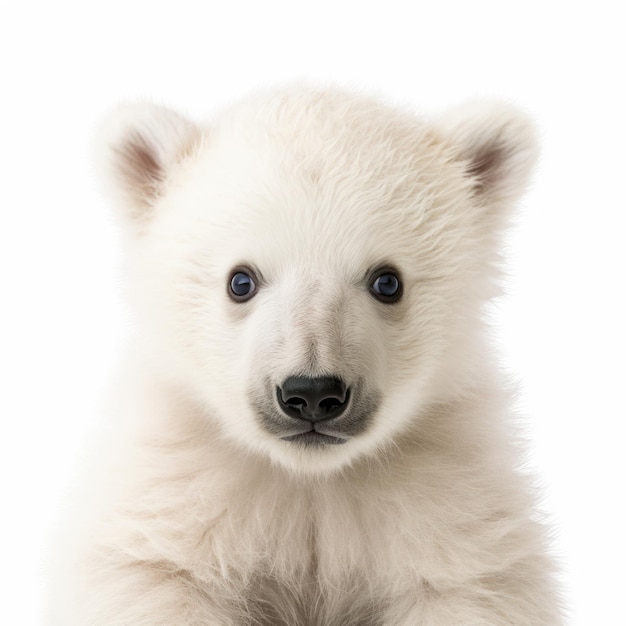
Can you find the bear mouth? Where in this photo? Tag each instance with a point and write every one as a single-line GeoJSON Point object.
{"type": "Point", "coordinates": [314, 438]}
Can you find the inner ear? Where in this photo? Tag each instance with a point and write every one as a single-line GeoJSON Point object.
{"type": "Point", "coordinates": [140, 169]}
{"type": "Point", "coordinates": [487, 165]}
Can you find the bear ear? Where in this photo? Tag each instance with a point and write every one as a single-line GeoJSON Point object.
{"type": "Point", "coordinates": [136, 148]}
{"type": "Point", "coordinates": [497, 145]}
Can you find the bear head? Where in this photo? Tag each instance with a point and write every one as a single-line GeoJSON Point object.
{"type": "Point", "coordinates": [312, 266]}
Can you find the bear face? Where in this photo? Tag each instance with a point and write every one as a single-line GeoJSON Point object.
{"type": "Point", "coordinates": [312, 267]}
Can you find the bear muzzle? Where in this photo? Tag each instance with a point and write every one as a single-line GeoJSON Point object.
{"type": "Point", "coordinates": [315, 410]}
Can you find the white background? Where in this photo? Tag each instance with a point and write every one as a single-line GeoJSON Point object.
{"type": "Point", "coordinates": [65, 64]}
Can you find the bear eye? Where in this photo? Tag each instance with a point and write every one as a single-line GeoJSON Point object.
{"type": "Point", "coordinates": [386, 286]}
{"type": "Point", "coordinates": [242, 285]}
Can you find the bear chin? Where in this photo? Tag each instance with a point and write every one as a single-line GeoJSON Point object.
{"type": "Point", "coordinates": [306, 459]}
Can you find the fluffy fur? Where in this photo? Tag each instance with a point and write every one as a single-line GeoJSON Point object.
{"type": "Point", "coordinates": [201, 514]}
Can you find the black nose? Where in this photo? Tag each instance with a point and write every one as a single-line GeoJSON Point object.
{"type": "Point", "coordinates": [313, 399]}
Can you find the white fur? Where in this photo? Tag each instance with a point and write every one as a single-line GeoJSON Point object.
{"type": "Point", "coordinates": [201, 516]}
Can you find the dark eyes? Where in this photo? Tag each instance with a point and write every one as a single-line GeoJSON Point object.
{"type": "Point", "coordinates": [385, 286]}
{"type": "Point", "coordinates": [242, 285]}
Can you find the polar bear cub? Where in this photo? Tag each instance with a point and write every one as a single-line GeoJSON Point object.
{"type": "Point", "coordinates": [309, 429]}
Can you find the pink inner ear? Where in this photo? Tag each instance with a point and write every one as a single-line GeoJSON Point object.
{"type": "Point", "coordinates": [487, 165]}
{"type": "Point", "coordinates": [138, 169]}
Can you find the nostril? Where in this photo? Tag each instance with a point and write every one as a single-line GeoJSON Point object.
{"type": "Point", "coordinates": [295, 402]}
{"type": "Point", "coordinates": [328, 404]}
{"type": "Point", "coordinates": [313, 399]}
